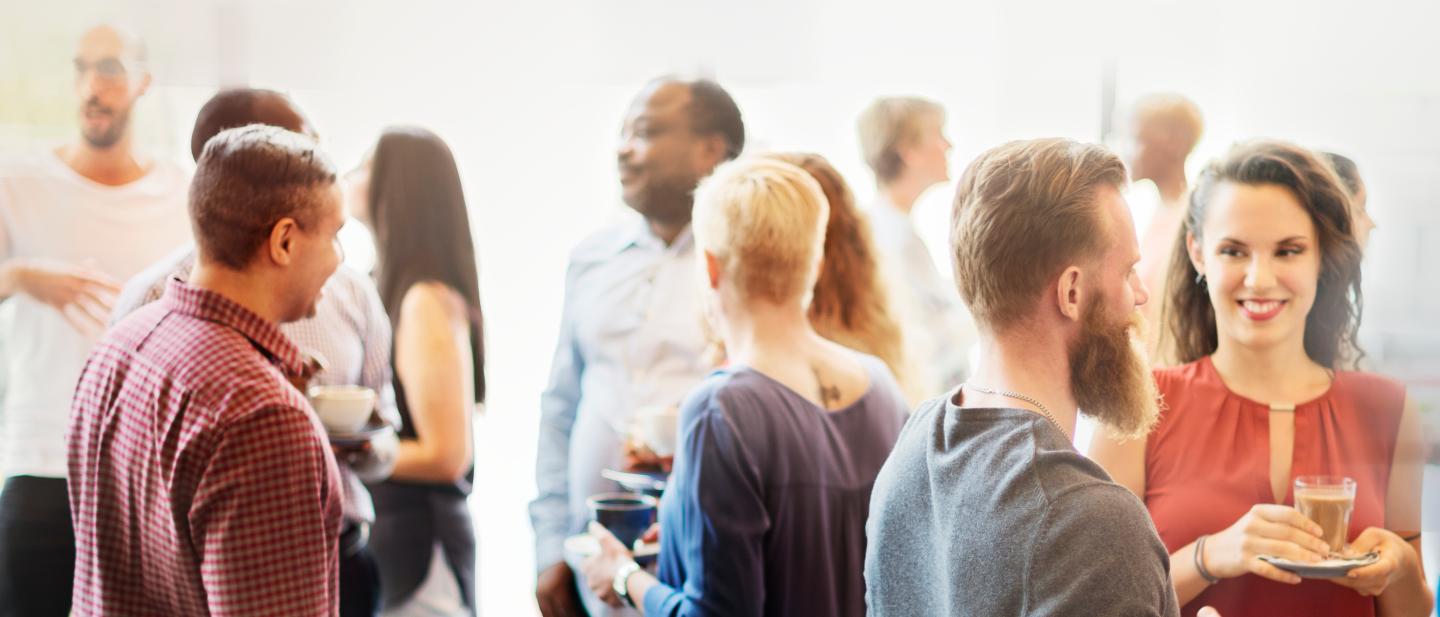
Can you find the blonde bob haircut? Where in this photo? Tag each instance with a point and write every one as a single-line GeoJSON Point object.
{"type": "Point", "coordinates": [764, 219]}
{"type": "Point", "coordinates": [891, 123]}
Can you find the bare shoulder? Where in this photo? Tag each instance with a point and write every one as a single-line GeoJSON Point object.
{"type": "Point", "coordinates": [432, 302]}
{"type": "Point", "coordinates": [850, 370]}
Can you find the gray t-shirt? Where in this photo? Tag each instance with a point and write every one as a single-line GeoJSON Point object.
{"type": "Point", "coordinates": [983, 512]}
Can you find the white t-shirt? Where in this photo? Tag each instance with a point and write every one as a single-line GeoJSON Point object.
{"type": "Point", "coordinates": [49, 211]}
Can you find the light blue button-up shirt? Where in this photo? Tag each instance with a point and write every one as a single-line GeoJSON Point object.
{"type": "Point", "coordinates": [630, 337]}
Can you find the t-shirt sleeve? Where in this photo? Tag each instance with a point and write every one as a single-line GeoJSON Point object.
{"type": "Point", "coordinates": [1097, 554]}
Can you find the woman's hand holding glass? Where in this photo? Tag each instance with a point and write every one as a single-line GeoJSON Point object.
{"type": "Point", "coordinates": [1267, 529]}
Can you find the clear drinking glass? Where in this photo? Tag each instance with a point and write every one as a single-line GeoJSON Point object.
{"type": "Point", "coordinates": [1327, 500]}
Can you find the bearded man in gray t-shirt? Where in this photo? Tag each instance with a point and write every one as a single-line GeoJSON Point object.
{"type": "Point", "coordinates": [984, 507]}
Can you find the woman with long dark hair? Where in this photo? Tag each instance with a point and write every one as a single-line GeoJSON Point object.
{"type": "Point", "coordinates": [1264, 302]}
{"type": "Point", "coordinates": [409, 195]}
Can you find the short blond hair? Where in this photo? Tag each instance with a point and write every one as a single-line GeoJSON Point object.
{"type": "Point", "coordinates": [889, 123]}
{"type": "Point", "coordinates": [765, 220]}
{"type": "Point", "coordinates": [1024, 212]}
{"type": "Point", "coordinates": [1179, 118]}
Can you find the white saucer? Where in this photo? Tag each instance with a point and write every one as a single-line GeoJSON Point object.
{"type": "Point", "coordinates": [370, 431]}
{"type": "Point", "coordinates": [584, 545]}
{"type": "Point", "coordinates": [1329, 568]}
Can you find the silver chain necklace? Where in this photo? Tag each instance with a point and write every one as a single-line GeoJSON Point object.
{"type": "Point", "coordinates": [1045, 411]}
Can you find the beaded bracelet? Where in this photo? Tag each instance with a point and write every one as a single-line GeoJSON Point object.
{"type": "Point", "coordinates": [1200, 561]}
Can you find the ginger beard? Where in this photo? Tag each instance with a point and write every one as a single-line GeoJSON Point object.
{"type": "Point", "coordinates": [1109, 375]}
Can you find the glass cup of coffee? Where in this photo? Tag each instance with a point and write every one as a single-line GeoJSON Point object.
{"type": "Point", "coordinates": [626, 515]}
{"type": "Point", "coordinates": [1327, 500]}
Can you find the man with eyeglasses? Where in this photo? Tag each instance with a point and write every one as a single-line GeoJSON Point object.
{"type": "Point", "coordinates": [75, 222]}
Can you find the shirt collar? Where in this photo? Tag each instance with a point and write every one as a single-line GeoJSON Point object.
{"type": "Point", "coordinates": [210, 306]}
{"type": "Point", "coordinates": [882, 207]}
{"type": "Point", "coordinates": [639, 235]}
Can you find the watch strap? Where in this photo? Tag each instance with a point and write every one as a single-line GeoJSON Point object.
{"type": "Point", "coordinates": [621, 576]}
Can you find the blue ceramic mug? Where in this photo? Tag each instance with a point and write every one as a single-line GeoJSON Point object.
{"type": "Point", "coordinates": [626, 515]}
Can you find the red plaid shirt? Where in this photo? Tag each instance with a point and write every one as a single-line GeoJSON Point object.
{"type": "Point", "coordinates": [201, 482]}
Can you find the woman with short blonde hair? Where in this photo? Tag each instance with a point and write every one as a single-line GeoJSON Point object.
{"type": "Point", "coordinates": [766, 508]}
{"type": "Point", "coordinates": [852, 304]}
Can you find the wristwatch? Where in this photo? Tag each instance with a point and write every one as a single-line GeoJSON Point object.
{"type": "Point", "coordinates": [622, 575]}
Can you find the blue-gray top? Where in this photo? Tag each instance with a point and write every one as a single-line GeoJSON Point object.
{"type": "Point", "coordinates": [765, 513]}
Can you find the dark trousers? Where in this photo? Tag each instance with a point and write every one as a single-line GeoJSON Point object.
{"type": "Point", "coordinates": [359, 584]}
{"type": "Point", "coordinates": [37, 548]}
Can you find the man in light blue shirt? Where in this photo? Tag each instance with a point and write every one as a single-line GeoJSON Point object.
{"type": "Point", "coordinates": [630, 334]}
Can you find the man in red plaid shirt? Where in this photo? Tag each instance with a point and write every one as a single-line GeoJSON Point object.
{"type": "Point", "coordinates": [201, 482]}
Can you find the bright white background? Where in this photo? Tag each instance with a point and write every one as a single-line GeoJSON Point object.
{"type": "Point", "coordinates": [530, 95]}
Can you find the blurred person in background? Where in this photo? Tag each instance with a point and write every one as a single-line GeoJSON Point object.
{"type": "Point", "coordinates": [1266, 298]}
{"type": "Point", "coordinates": [630, 331]}
{"type": "Point", "coordinates": [349, 332]}
{"type": "Point", "coordinates": [409, 194]}
{"type": "Point", "coordinates": [1349, 174]}
{"type": "Point", "coordinates": [75, 223]}
{"type": "Point", "coordinates": [765, 511]}
{"type": "Point", "coordinates": [1157, 136]}
{"type": "Point", "coordinates": [903, 142]}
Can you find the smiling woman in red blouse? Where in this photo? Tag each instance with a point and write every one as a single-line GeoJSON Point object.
{"type": "Point", "coordinates": [1263, 303]}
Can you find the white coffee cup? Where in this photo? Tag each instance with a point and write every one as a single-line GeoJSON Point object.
{"type": "Point", "coordinates": [342, 409]}
{"type": "Point", "coordinates": [656, 427]}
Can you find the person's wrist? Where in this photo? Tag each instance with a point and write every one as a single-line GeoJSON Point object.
{"type": "Point", "coordinates": [1409, 566]}
{"type": "Point", "coordinates": [1202, 559]}
{"type": "Point", "coordinates": [622, 579]}
{"type": "Point", "coordinates": [10, 276]}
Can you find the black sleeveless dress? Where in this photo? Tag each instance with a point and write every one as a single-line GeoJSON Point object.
{"type": "Point", "coordinates": [410, 517]}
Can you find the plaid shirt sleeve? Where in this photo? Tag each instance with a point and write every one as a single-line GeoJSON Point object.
{"type": "Point", "coordinates": [259, 518]}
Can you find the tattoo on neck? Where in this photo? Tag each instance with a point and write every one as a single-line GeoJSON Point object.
{"type": "Point", "coordinates": [828, 394]}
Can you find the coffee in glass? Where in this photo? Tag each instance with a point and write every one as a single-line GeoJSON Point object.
{"type": "Point", "coordinates": [1327, 500]}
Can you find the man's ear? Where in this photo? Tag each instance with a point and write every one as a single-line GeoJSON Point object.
{"type": "Point", "coordinates": [281, 245]}
{"type": "Point", "coordinates": [907, 153]}
{"type": "Point", "coordinates": [713, 270]}
{"type": "Point", "coordinates": [142, 83]}
{"type": "Point", "coordinates": [1069, 297]}
{"type": "Point", "coordinates": [712, 152]}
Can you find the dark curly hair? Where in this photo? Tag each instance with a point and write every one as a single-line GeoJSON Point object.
{"type": "Point", "coordinates": [1331, 326]}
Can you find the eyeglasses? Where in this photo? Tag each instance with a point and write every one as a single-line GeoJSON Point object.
{"type": "Point", "coordinates": [110, 69]}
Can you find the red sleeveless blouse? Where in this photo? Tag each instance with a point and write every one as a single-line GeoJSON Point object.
{"type": "Point", "coordinates": [1208, 462]}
